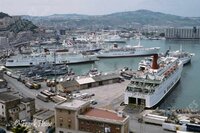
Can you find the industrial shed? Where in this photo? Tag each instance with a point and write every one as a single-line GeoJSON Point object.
{"type": "Point", "coordinates": [85, 83]}
{"type": "Point", "coordinates": [106, 79]}
{"type": "Point", "coordinates": [68, 86]}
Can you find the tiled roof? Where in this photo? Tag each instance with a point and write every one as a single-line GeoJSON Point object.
{"type": "Point", "coordinates": [105, 114]}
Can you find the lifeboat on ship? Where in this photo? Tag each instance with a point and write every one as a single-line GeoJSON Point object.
{"type": "Point", "coordinates": [166, 73]}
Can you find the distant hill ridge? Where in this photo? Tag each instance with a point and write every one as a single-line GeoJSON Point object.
{"type": "Point", "coordinates": [139, 17]}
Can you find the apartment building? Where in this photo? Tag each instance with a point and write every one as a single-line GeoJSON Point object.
{"type": "Point", "coordinates": [182, 33]}
{"type": "Point", "coordinates": [14, 108]}
{"type": "Point", "coordinates": [77, 116]}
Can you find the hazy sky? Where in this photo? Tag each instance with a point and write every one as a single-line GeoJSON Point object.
{"type": "Point", "coordinates": [98, 7]}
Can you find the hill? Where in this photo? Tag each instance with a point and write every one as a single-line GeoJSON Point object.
{"type": "Point", "coordinates": [2, 15]}
{"type": "Point", "coordinates": [15, 24]}
{"type": "Point", "coordinates": [121, 19]}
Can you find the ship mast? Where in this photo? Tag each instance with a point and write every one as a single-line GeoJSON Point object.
{"type": "Point", "coordinates": [139, 42]}
{"type": "Point", "coordinates": [181, 48]}
{"type": "Point", "coordinates": [54, 64]}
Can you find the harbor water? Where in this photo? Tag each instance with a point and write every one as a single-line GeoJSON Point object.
{"type": "Point", "coordinates": [184, 95]}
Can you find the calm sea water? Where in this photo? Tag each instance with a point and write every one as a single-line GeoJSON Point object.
{"type": "Point", "coordinates": [185, 95]}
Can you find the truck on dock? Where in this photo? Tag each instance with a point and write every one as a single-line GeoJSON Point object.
{"type": "Point", "coordinates": [36, 85]}
{"type": "Point", "coordinates": [47, 93]}
{"type": "Point", "coordinates": [42, 97]}
{"type": "Point", "coordinates": [29, 85]}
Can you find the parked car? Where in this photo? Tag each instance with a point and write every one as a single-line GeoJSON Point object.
{"type": "Point", "coordinates": [93, 102]}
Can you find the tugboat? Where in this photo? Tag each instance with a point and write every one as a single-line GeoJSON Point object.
{"type": "Point", "coordinates": [93, 72]}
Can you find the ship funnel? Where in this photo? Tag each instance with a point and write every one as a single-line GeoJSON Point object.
{"type": "Point", "coordinates": [154, 63]}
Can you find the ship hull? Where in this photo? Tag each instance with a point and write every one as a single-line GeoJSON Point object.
{"type": "Point", "coordinates": [136, 53]}
{"type": "Point", "coordinates": [60, 59]}
{"type": "Point", "coordinates": [185, 60]}
{"type": "Point", "coordinates": [121, 56]}
{"type": "Point", "coordinates": [67, 63]}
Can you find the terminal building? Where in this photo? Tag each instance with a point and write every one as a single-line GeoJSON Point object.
{"type": "Point", "coordinates": [182, 33]}
{"type": "Point", "coordinates": [76, 116]}
{"type": "Point", "coordinates": [87, 82]}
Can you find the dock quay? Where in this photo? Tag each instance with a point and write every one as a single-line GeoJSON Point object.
{"type": "Point", "coordinates": [173, 120]}
{"type": "Point", "coordinates": [97, 97]}
{"type": "Point", "coordinates": [93, 89]}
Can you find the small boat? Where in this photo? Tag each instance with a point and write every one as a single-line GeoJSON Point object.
{"type": "Point", "coordinates": [93, 72]}
{"type": "Point", "coordinates": [114, 39]}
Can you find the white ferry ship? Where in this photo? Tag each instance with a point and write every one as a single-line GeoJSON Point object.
{"type": "Point", "coordinates": [151, 83]}
{"type": "Point", "coordinates": [131, 51]}
{"type": "Point", "coordinates": [59, 57]}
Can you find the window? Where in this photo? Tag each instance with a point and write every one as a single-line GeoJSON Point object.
{"type": "Point", "coordinates": [117, 128]}
{"type": "Point", "coordinates": [69, 126]}
{"type": "Point", "coordinates": [69, 112]}
{"type": "Point", "coordinates": [2, 106]}
{"type": "Point", "coordinates": [61, 124]}
{"type": "Point", "coordinates": [10, 61]}
{"type": "Point", "coordinates": [61, 119]}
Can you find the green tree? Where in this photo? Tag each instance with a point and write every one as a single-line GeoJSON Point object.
{"type": "Point", "coordinates": [20, 129]}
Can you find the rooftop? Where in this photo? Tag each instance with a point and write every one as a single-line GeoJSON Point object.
{"type": "Point", "coordinates": [69, 83]}
{"type": "Point", "coordinates": [27, 99]}
{"type": "Point", "coordinates": [105, 114]}
{"type": "Point", "coordinates": [85, 80]}
{"type": "Point", "coordinates": [7, 97]}
{"type": "Point", "coordinates": [43, 115]}
{"type": "Point", "coordinates": [106, 77]}
{"type": "Point", "coordinates": [72, 104]}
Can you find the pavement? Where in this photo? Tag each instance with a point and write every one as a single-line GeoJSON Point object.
{"type": "Point", "coordinates": [26, 92]}
{"type": "Point", "coordinates": [108, 96]}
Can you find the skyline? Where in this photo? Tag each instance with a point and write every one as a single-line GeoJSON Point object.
{"type": "Point", "coordinates": [98, 7]}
